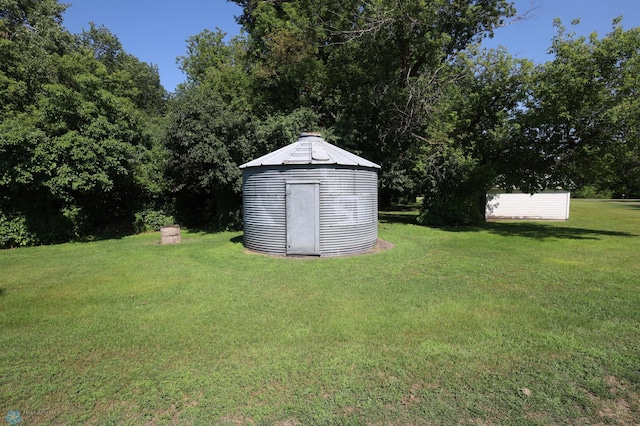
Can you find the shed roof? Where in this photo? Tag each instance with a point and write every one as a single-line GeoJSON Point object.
{"type": "Point", "coordinates": [310, 148]}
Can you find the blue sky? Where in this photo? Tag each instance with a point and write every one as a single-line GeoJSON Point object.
{"type": "Point", "coordinates": [156, 31]}
{"type": "Point", "coordinates": [532, 37]}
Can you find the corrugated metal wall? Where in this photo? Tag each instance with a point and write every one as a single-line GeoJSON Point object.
{"type": "Point", "coordinates": [348, 207]}
{"type": "Point", "coordinates": [546, 205]}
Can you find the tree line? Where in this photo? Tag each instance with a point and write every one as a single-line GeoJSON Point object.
{"type": "Point", "coordinates": [91, 143]}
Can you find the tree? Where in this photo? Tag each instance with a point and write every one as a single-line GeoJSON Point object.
{"type": "Point", "coordinates": [30, 37]}
{"type": "Point", "coordinates": [130, 77]}
{"type": "Point", "coordinates": [207, 142]}
{"type": "Point", "coordinates": [208, 139]}
{"type": "Point", "coordinates": [73, 132]}
{"type": "Point", "coordinates": [581, 122]}
{"type": "Point", "coordinates": [216, 122]}
{"type": "Point", "coordinates": [570, 122]}
{"type": "Point", "coordinates": [33, 27]}
{"type": "Point", "coordinates": [471, 139]}
{"type": "Point", "coordinates": [374, 71]}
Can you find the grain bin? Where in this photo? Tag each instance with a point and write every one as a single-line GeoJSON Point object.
{"type": "Point", "coordinates": [310, 198]}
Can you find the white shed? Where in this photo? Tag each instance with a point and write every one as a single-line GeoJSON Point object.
{"type": "Point", "coordinates": [545, 205]}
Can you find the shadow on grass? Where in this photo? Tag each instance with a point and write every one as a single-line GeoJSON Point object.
{"type": "Point", "coordinates": [538, 231]}
{"type": "Point", "coordinates": [630, 203]}
{"type": "Point", "coordinates": [237, 240]}
{"type": "Point", "coordinates": [409, 217]}
{"type": "Point", "coordinates": [104, 236]}
{"type": "Point", "coordinates": [206, 229]}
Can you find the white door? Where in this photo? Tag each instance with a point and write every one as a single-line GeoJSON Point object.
{"type": "Point", "coordinates": [303, 218]}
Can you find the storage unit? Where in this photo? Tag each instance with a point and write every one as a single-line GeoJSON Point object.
{"type": "Point", "coordinates": [545, 205]}
{"type": "Point", "coordinates": [310, 198]}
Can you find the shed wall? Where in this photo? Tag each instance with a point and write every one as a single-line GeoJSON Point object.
{"type": "Point", "coordinates": [546, 205]}
{"type": "Point", "coordinates": [348, 219]}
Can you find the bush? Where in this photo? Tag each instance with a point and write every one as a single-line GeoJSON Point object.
{"type": "Point", "coordinates": [34, 221]}
{"type": "Point", "coordinates": [15, 233]}
{"type": "Point", "coordinates": [152, 220]}
{"type": "Point", "coordinates": [590, 191]}
{"type": "Point", "coordinates": [454, 188]}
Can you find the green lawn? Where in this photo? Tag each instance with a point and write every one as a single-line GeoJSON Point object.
{"type": "Point", "coordinates": [506, 323]}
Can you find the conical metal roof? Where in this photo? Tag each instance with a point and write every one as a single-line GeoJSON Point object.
{"type": "Point", "coordinates": [310, 148]}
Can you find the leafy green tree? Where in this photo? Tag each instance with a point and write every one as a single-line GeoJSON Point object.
{"type": "Point", "coordinates": [207, 127]}
{"type": "Point", "coordinates": [30, 33]}
{"type": "Point", "coordinates": [223, 65]}
{"type": "Point", "coordinates": [30, 37]}
{"type": "Point", "coordinates": [74, 132]}
{"type": "Point", "coordinates": [77, 148]}
{"type": "Point", "coordinates": [375, 72]}
{"type": "Point", "coordinates": [207, 143]}
{"type": "Point", "coordinates": [570, 122]}
{"type": "Point", "coordinates": [128, 76]}
{"type": "Point", "coordinates": [582, 118]}
{"type": "Point", "coordinates": [471, 138]}
{"type": "Point", "coordinates": [217, 121]}
{"type": "Point", "coordinates": [208, 140]}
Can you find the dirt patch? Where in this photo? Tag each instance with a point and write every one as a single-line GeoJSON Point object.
{"type": "Point", "coordinates": [623, 410]}
{"type": "Point", "coordinates": [525, 391]}
{"type": "Point", "coordinates": [288, 422]}
{"type": "Point", "coordinates": [347, 411]}
{"type": "Point", "coordinates": [411, 397]}
{"type": "Point", "coordinates": [384, 245]}
{"type": "Point", "coordinates": [238, 420]}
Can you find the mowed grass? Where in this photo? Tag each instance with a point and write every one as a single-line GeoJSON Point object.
{"type": "Point", "coordinates": [505, 323]}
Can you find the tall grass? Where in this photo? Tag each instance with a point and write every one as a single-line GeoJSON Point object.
{"type": "Point", "coordinates": [507, 323]}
